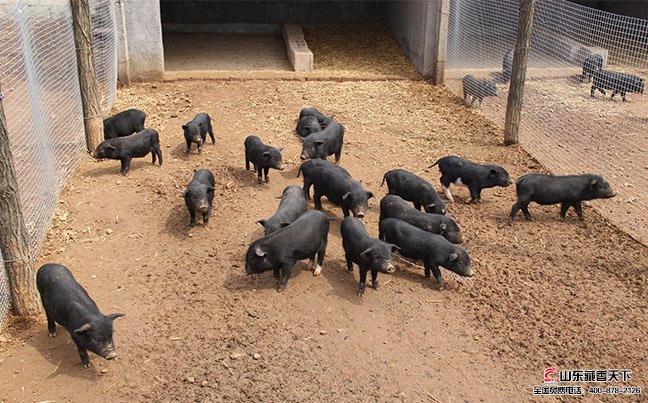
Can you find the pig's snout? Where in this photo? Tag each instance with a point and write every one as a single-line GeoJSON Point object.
{"type": "Point", "coordinates": [281, 166]}
{"type": "Point", "coordinates": [390, 268]}
{"type": "Point", "coordinates": [303, 157]}
{"type": "Point", "coordinates": [360, 215]}
{"type": "Point", "coordinates": [109, 353]}
{"type": "Point", "coordinates": [203, 208]}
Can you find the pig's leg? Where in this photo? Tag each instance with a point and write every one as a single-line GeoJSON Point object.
{"type": "Point", "coordinates": [349, 263]}
{"type": "Point", "coordinates": [159, 153]}
{"type": "Point", "coordinates": [525, 210]}
{"type": "Point", "coordinates": [320, 257]}
{"type": "Point", "coordinates": [259, 173]}
{"type": "Point", "coordinates": [563, 210]}
{"type": "Point", "coordinates": [363, 280]}
{"type": "Point", "coordinates": [83, 353]}
{"type": "Point", "coordinates": [51, 326]}
{"type": "Point", "coordinates": [445, 185]}
{"type": "Point", "coordinates": [276, 273]}
{"type": "Point", "coordinates": [188, 141]}
{"type": "Point", "coordinates": [192, 218]}
{"type": "Point", "coordinates": [247, 162]}
{"type": "Point", "coordinates": [475, 195]}
{"type": "Point", "coordinates": [286, 271]}
{"type": "Point", "coordinates": [374, 279]}
{"type": "Point", "coordinates": [579, 209]}
{"type": "Point", "coordinates": [125, 165]}
{"type": "Point", "coordinates": [338, 153]}
{"type": "Point", "coordinates": [435, 271]}
{"type": "Point", "coordinates": [317, 198]}
{"type": "Point", "coordinates": [623, 96]}
{"type": "Point", "coordinates": [265, 173]}
{"type": "Point", "coordinates": [211, 132]}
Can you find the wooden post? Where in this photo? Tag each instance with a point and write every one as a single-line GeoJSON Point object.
{"type": "Point", "coordinates": [14, 238]}
{"type": "Point", "coordinates": [516, 90]}
{"type": "Point", "coordinates": [87, 78]}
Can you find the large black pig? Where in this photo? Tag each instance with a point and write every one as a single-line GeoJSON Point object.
{"type": "Point", "coordinates": [262, 156]}
{"type": "Point", "coordinates": [392, 206]}
{"type": "Point", "coordinates": [340, 189]}
{"type": "Point", "coordinates": [292, 205]}
{"type": "Point", "coordinates": [134, 146]}
{"type": "Point", "coordinates": [199, 196]}
{"type": "Point", "coordinates": [124, 123]}
{"type": "Point", "coordinates": [322, 144]}
{"type": "Point", "coordinates": [305, 238]}
{"type": "Point", "coordinates": [195, 131]}
{"type": "Point", "coordinates": [413, 188]}
{"type": "Point", "coordinates": [69, 305]}
{"type": "Point", "coordinates": [370, 254]}
{"type": "Point", "coordinates": [569, 191]}
{"type": "Point", "coordinates": [507, 65]}
{"type": "Point", "coordinates": [308, 167]}
{"type": "Point", "coordinates": [474, 176]}
{"type": "Point", "coordinates": [434, 250]}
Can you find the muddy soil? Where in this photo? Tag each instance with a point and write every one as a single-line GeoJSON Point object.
{"type": "Point", "coordinates": [546, 293]}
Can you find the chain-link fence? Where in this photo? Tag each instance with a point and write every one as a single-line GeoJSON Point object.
{"type": "Point", "coordinates": [42, 104]}
{"type": "Point", "coordinates": [563, 127]}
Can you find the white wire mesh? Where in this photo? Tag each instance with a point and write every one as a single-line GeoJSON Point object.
{"type": "Point", "coordinates": [562, 126]}
{"type": "Point", "coordinates": [42, 104]}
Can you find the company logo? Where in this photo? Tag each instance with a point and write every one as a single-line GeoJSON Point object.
{"type": "Point", "coordinates": [550, 375]}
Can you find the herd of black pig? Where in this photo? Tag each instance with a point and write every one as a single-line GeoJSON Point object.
{"type": "Point", "coordinates": [424, 232]}
{"type": "Point", "coordinates": [475, 88]}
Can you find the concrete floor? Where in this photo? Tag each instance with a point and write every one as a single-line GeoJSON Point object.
{"type": "Point", "coordinates": [188, 52]}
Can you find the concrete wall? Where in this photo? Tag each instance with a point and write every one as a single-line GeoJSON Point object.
{"type": "Point", "coordinates": [264, 12]}
{"type": "Point", "coordinates": [144, 39]}
{"type": "Point", "coordinates": [414, 25]}
{"type": "Point", "coordinates": [631, 8]}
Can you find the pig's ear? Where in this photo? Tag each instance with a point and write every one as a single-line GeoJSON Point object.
{"type": "Point", "coordinates": [210, 188]}
{"type": "Point", "coordinates": [184, 127]}
{"type": "Point", "coordinates": [593, 182]}
{"type": "Point", "coordinates": [284, 224]}
{"type": "Point", "coordinates": [443, 227]}
{"type": "Point", "coordinates": [260, 252]}
{"type": "Point", "coordinates": [262, 222]}
{"type": "Point", "coordinates": [82, 329]}
{"type": "Point", "coordinates": [493, 172]}
{"type": "Point", "coordinates": [370, 195]}
{"type": "Point", "coordinates": [452, 257]}
{"type": "Point", "coordinates": [111, 147]}
{"type": "Point", "coordinates": [319, 142]}
{"type": "Point", "coordinates": [394, 248]}
{"type": "Point", "coordinates": [346, 195]}
{"type": "Point", "coordinates": [183, 194]}
{"type": "Point", "coordinates": [431, 206]}
{"type": "Point", "coordinates": [266, 154]}
{"type": "Point", "coordinates": [279, 149]}
{"type": "Point", "coordinates": [114, 316]}
{"type": "Point", "coordinates": [365, 252]}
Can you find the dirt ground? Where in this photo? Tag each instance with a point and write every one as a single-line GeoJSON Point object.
{"type": "Point", "coordinates": [545, 293]}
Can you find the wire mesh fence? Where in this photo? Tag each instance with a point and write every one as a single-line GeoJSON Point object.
{"type": "Point", "coordinates": [563, 126]}
{"type": "Point", "coordinates": [42, 104]}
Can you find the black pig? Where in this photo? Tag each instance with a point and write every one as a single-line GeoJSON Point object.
{"type": "Point", "coordinates": [413, 188]}
{"type": "Point", "coordinates": [124, 123]}
{"type": "Point", "coordinates": [262, 156]}
{"type": "Point", "coordinates": [368, 253]}
{"type": "Point", "coordinates": [69, 305]}
{"type": "Point", "coordinates": [309, 166]}
{"type": "Point", "coordinates": [195, 131]}
{"type": "Point", "coordinates": [323, 120]}
{"type": "Point", "coordinates": [199, 195]}
{"type": "Point", "coordinates": [134, 146]}
{"type": "Point", "coordinates": [569, 191]}
{"type": "Point", "coordinates": [341, 190]}
{"type": "Point", "coordinates": [434, 250]}
{"type": "Point", "coordinates": [305, 238]}
{"type": "Point", "coordinates": [322, 144]}
{"type": "Point", "coordinates": [591, 65]}
{"type": "Point", "coordinates": [392, 206]}
{"type": "Point", "coordinates": [307, 126]}
{"type": "Point", "coordinates": [507, 65]}
{"type": "Point", "coordinates": [617, 82]}
{"type": "Point", "coordinates": [477, 89]}
{"type": "Point", "coordinates": [474, 176]}
{"type": "Point", "coordinates": [292, 205]}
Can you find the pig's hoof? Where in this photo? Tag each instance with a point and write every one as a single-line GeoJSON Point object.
{"type": "Point", "coordinates": [281, 287]}
{"type": "Point", "coordinates": [375, 285]}
{"type": "Point", "coordinates": [267, 180]}
{"type": "Point", "coordinates": [317, 270]}
{"type": "Point", "coordinates": [259, 181]}
{"type": "Point", "coordinates": [53, 334]}
{"type": "Point", "coordinates": [86, 365]}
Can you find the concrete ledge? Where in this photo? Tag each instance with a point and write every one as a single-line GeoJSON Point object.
{"type": "Point", "coordinates": [224, 28]}
{"type": "Point", "coordinates": [299, 55]}
{"type": "Point", "coordinates": [281, 76]}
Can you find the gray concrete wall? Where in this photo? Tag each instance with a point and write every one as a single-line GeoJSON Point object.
{"type": "Point", "coordinates": [413, 24]}
{"type": "Point", "coordinates": [144, 39]}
